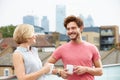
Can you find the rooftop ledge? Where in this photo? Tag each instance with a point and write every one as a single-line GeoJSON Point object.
{"type": "Point", "coordinates": [8, 77]}
{"type": "Point", "coordinates": [13, 77]}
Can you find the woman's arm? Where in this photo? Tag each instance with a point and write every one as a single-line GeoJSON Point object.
{"type": "Point", "coordinates": [20, 69]}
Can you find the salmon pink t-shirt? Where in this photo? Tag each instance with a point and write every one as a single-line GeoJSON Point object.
{"type": "Point", "coordinates": [82, 54]}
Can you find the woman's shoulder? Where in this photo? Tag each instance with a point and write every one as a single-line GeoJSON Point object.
{"type": "Point", "coordinates": [17, 54]}
{"type": "Point", "coordinates": [34, 49]}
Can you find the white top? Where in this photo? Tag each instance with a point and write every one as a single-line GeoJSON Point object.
{"type": "Point", "coordinates": [31, 59]}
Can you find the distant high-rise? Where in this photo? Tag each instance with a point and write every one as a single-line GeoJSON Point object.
{"type": "Point", "coordinates": [33, 20]}
{"type": "Point", "coordinates": [88, 22]}
{"type": "Point", "coordinates": [29, 19]}
{"type": "Point", "coordinates": [82, 17]}
{"type": "Point", "coordinates": [60, 15]}
{"type": "Point", "coordinates": [45, 23]}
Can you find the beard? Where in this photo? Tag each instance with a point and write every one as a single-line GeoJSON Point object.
{"type": "Point", "coordinates": [73, 36]}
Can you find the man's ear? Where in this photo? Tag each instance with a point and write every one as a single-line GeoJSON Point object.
{"type": "Point", "coordinates": [81, 28]}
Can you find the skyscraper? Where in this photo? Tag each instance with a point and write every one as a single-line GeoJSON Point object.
{"type": "Point", "coordinates": [33, 20]}
{"type": "Point", "coordinates": [60, 15]}
{"type": "Point", "coordinates": [88, 22]}
{"type": "Point", "coordinates": [45, 23]}
{"type": "Point", "coordinates": [29, 19]}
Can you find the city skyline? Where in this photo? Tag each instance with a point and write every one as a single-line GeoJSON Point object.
{"type": "Point", "coordinates": [103, 12]}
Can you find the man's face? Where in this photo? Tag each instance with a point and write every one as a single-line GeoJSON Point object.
{"type": "Point", "coordinates": [73, 31]}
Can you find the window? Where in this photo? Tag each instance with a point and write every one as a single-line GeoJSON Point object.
{"type": "Point", "coordinates": [84, 38]}
{"type": "Point", "coordinates": [6, 72]}
{"type": "Point", "coordinates": [96, 40]}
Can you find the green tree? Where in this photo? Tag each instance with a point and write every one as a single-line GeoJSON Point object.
{"type": "Point", "coordinates": [7, 31]}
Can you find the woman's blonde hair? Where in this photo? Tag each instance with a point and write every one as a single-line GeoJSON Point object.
{"type": "Point", "coordinates": [22, 32]}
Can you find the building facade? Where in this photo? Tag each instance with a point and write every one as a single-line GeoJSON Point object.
{"type": "Point", "coordinates": [88, 22]}
{"type": "Point", "coordinates": [45, 23]}
{"type": "Point", "coordinates": [109, 37]}
{"type": "Point", "coordinates": [33, 20]}
{"type": "Point", "coordinates": [92, 37]}
{"type": "Point", "coordinates": [30, 19]}
{"type": "Point", "coordinates": [60, 15]}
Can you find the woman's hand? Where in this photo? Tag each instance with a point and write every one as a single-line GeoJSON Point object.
{"type": "Point", "coordinates": [46, 68]}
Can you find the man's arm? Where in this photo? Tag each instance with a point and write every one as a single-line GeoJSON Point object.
{"type": "Point", "coordinates": [52, 60]}
{"type": "Point", "coordinates": [96, 70]}
{"type": "Point", "coordinates": [58, 72]}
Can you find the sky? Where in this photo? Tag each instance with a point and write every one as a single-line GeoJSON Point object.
{"type": "Point", "coordinates": [103, 12]}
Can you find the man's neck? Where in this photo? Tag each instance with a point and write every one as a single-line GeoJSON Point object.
{"type": "Point", "coordinates": [77, 40]}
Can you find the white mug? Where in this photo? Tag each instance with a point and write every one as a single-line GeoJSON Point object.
{"type": "Point", "coordinates": [51, 67]}
{"type": "Point", "coordinates": [69, 67]}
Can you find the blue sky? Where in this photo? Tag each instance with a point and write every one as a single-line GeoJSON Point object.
{"type": "Point", "coordinates": [104, 12]}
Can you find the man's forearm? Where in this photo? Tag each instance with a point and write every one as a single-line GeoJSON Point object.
{"type": "Point", "coordinates": [94, 71]}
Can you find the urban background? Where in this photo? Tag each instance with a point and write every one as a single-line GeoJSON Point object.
{"type": "Point", "coordinates": [105, 36]}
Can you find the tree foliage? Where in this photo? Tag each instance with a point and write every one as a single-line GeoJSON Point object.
{"type": "Point", "coordinates": [7, 31]}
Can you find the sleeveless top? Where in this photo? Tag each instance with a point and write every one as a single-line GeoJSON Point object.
{"type": "Point", "coordinates": [32, 62]}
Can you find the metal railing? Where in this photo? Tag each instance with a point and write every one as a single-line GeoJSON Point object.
{"type": "Point", "coordinates": [110, 72]}
{"type": "Point", "coordinates": [13, 77]}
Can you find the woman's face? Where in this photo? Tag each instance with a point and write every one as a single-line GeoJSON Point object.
{"type": "Point", "coordinates": [32, 39]}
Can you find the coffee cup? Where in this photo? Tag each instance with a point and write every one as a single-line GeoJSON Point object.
{"type": "Point", "coordinates": [51, 68]}
{"type": "Point", "coordinates": [69, 67]}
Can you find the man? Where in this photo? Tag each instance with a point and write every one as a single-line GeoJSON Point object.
{"type": "Point", "coordinates": [82, 55]}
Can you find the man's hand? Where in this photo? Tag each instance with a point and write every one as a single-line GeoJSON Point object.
{"type": "Point", "coordinates": [64, 74]}
{"type": "Point", "coordinates": [80, 70]}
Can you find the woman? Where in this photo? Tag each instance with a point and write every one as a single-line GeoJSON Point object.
{"type": "Point", "coordinates": [26, 61]}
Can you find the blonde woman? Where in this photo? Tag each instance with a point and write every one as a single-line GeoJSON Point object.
{"type": "Point", "coordinates": [26, 61]}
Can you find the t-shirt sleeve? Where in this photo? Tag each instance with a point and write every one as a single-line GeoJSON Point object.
{"type": "Point", "coordinates": [57, 53]}
{"type": "Point", "coordinates": [96, 54]}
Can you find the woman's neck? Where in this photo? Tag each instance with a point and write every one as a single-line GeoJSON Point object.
{"type": "Point", "coordinates": [25, 45]}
